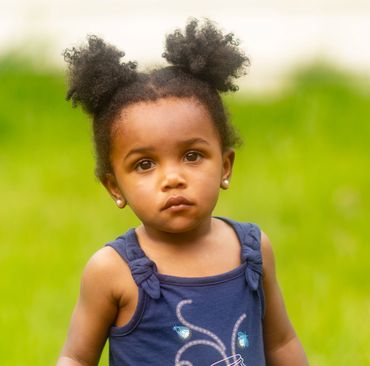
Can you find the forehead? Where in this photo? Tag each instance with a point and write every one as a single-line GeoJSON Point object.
{"type": "Point", "coordinates": [164, 121]}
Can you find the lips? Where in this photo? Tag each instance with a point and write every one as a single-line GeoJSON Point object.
{"type": "Point", "coordinates": [176, 201]}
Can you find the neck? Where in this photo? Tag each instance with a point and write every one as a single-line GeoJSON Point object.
{"type": "Point", "coordinates": [193, 237]}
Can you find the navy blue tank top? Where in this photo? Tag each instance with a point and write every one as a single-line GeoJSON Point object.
{"type": "Point", "coordinates": [193, 321]}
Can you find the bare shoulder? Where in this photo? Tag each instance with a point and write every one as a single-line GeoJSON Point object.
{"type": "Point", "coordinates": [104, 260]}
{"type": "Point", "coordinates": [267, 255]}
{"type": "Point", "coordinates": [107, 290]}
{"type": "Point", "coordinates": [265, 244]}
{"type": "Point", "coordinates": [108, 274]}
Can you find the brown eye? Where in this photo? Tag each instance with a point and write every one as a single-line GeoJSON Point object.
{"type": "Point", "coordinates": [144, 165]}
{"type": "Point", "coordinates": [192, 156]}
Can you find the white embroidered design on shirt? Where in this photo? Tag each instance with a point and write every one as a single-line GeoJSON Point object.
{"type": "Point", "coordinates": [239, 338]}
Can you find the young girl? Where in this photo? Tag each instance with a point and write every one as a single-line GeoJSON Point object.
{"type": "Point", "coordinates": [184, 288]}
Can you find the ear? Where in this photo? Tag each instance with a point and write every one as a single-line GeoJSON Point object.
{"type": "Point", "coordinates": [110, 183]}
{"type": "Point", "coordinates": [227, 168]}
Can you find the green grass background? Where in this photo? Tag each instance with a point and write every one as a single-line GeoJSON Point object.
{"type": "Point", "coordinates": [302, 175]}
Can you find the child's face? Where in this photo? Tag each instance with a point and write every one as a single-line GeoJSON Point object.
{"type": "Point", "coordinates": [168, 163]}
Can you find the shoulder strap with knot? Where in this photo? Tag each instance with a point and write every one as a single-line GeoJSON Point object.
{"type": "Point", "coordinates": [250, 237]}
{"type": "Point", "coordinates": [143, 270]}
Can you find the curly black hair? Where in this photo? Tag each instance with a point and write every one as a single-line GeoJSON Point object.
{"type": "Point", "coordinates": [203, 61]}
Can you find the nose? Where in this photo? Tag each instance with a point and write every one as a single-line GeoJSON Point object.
{"type": "Point", "coordinates": [173, 180]}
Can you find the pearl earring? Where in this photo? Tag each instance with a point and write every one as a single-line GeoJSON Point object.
{"type": "Point", "coordinates": [120, 203]}
{"type": "Point", "coordinates": [225, 184]}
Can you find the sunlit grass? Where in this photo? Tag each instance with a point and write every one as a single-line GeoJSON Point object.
{"type": "Point", "coordinates": [302, 174]}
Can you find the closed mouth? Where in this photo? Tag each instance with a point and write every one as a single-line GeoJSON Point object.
{"type": "Point", "coordinates": [176, 201]}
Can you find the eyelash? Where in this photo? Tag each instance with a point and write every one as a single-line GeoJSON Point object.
{"type": "Point", "coordinates": [138, 166]}
{"type": "Point", "coordinates": [198, 154]}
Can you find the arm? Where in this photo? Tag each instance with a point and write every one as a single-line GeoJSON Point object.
{"type": "Point", "coordinates": [95, 311]}
{"type": "Point", "coordinates": [282, 347]}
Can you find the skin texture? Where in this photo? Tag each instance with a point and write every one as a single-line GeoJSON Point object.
{"type": "Point", "coordinates": [158, 149]}
{"type": "Point", "coordinates": [168, 167]}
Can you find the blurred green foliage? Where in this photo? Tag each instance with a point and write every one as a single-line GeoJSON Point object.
{"type": "Point", "coordinates": [302, 175]}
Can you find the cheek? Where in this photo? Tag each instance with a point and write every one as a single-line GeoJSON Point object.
{"type": "Point", "coordinates": [139, 192]}
{"type": "Point", "coordinates": [207, 185]}
{"type": "Point", "coordinates": [210, 174]}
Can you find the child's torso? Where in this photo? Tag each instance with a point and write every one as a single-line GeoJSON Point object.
{"type": "Point", "coordinates": [213, 320]}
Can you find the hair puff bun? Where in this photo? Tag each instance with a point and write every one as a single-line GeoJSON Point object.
{"type": "Point", "coordinates": [207, 54]}
{"type": "Point", "coordinates": [95, 74]}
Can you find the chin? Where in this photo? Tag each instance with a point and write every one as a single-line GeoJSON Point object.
{"type": "Point", "coordinates": [182, 225]}
{"type": "Point", "coordinates": [177, 230]}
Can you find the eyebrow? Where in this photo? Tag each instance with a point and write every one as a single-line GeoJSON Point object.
{"type": "Point", "coordinates": [139, 150]}
{"type": "Point", "coordinates": [148, 149]}
{"type": "Point", "coordinates": [195, 140]}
